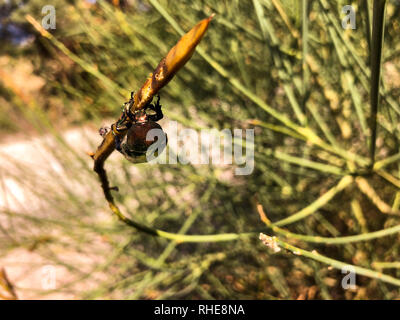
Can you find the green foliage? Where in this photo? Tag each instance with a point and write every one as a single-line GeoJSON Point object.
{"type": "Point", "coordinates": [305, 90]}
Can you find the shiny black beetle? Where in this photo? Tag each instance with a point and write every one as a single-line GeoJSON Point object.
{"type": "Point", "coordinates": [135, 144]}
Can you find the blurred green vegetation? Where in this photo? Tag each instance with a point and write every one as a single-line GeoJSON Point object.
{"type": "Point", "coordinates": [283, 67]}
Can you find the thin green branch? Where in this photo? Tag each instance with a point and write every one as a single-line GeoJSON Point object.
{"type": "Point", "coordinates": [331, 262]}
{"type": "Point", "coordinates": [305, 72]}
{"type": "Point", "coordinates": [387, 161]}
{"type": "Point", "coordinates": [378, 28]}
{"type": "Point", "coordinates": [320, 202]}
{"type": "Point", "coordinates": [302, 162]}
{"type": "Point", "coordinates": [386, 265]}
{"type": "Point", "coordinates": [160, 233]}
{"type": "Point", "coordinates": [327, 240]}
{"type": "Point", "coordinates": [309, 134]}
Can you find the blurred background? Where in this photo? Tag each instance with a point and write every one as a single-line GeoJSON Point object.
{"type": "Point", "coordinates": [285, 68]}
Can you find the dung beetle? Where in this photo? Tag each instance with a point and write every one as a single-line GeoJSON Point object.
{"type": "Point", "coordinates": [135, 145]}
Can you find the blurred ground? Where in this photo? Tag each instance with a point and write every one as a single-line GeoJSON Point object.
{"type": "Point", "coordinates": [26, 269]}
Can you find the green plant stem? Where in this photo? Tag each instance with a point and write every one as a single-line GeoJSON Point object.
{"type": "Point", "coordinates": [159, 233]}
{"type": "Point", "coordinates": [387, 161]}
{"type": "Point", "coordinates": [378, 27]}
{"type": "Point", "coordinates": [305, 73]}
{"type": "Point", "coordinates": [309, 134]}
{"type": "Point", "coordinates": [386, 265]}
{"type": "Point", "coordinates": [336, 240]}
{"type": "Point", "coordinates": [320, 202]}
{"type": "Point", "coordinates": [337, 264]}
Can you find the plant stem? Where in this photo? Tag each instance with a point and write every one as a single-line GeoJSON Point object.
{"type": "Point", "coordinates": [378, 27]}
{"type": "Point", "coordinates": [337, 264]}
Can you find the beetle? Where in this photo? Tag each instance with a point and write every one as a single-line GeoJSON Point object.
{"type": "Point", "coordinates": [135, 145]}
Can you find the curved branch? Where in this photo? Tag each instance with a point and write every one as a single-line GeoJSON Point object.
{"type": "Point", "coordinates": [160, 233]}
{"type": "Point", "coordinates": [326, 240]}
{"type": "Point", "coordinates": [331, 262]}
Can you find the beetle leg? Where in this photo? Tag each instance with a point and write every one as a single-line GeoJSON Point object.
{"type": "Point", "coordinates": [124, 123]}
{"type": "Point", "coordinates": [159, 113]}
{"type": "Point", "coordinates": [118, 144]}
{"type": "Point", "coordinates": [131, 101]}
{"type": "Point", "coordinates": [157, 108]}
{"type": "Point", "coordinates": [121, 125]}
{"type": "Point", "coordinates": [157, 105]}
